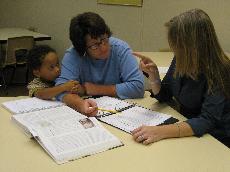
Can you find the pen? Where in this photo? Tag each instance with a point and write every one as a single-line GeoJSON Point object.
{"type": "Point", "coordinates": [106, 110]}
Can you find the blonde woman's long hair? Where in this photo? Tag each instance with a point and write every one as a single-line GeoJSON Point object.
{"type": "Point", "coordinates": [192, 37]}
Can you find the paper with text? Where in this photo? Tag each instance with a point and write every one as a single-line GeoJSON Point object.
{"type": "Point", "coordinates": [135, 117]}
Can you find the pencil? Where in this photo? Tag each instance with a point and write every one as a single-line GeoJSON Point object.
{"type": "Point", "coordinates": [106, 110]}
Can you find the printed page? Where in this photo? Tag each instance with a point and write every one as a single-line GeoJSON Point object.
{"type": "Point", "coordinates": [109, 105]}
{"type": "Point", "coordinates": [66, 134]}
{"type": "Point", "coordinates": [29, 105]}
{"type": "Point", "coordinates": [135, 117]}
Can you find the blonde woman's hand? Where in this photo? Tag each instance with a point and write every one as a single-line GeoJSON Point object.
{"type": "Point", "coordinates": [146, 64]}
{"type": "Point", "coordinates": [148, 134]}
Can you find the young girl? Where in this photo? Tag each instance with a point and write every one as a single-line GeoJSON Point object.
{"type": "Point", "coordinates": [198, 80]}
{"type": "Point", "coordinates": [44, 63]}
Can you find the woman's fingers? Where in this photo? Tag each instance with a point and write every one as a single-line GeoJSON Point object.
{"type": "Point", "coordinates": [147, 134]}
{"type": "Point", "coordinates": [148, 141]}
{"type": "Point", "coordinates": [140, 138]}
{"type": "Point", "coordinates": [139, 55]}
{"type": "Point", "coordinates": [143, 58]}
{"type": "Point", "coordinates": [136, 130]}
{"type": "Point", "coordinates": [148, 68]}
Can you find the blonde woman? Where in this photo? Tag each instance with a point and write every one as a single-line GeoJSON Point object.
{"type": "Point", "coordinates": [198, 80]}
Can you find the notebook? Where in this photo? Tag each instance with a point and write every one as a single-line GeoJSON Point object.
{"type": "Point", "coordinates": [64, 133]}
{"type": "Point", "coordinates": [127, 116]}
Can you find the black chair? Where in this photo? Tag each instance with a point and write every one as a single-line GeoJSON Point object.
{"type": "Point", "coordinates": [2, 76]}
{"type": "Point", "coordinates": [16, 53]}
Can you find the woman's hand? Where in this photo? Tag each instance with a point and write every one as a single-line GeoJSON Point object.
{"type": "Point", "coordinates": [148, 134]}
{"type": "Point", "coordinates": [146, 64]}
{"type": "Point", "coordinates": [89, 107]}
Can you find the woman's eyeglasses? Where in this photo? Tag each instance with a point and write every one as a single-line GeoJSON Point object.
{"type": "Point", "coordinates": [95, 46]}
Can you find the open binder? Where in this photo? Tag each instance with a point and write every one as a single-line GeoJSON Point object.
{"type": "Point", "coordinates": [127, 116]}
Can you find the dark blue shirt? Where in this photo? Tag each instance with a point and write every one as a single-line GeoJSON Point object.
{"type": "Point", "coordinates": [206, 112]}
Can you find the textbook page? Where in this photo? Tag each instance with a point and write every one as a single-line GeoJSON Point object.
{"type": "Point", "coordinates": [29, 105]}
{"type": "Point", "coordinates": [66, 134]}
{"type": "Point", "coordinates": [135, 117]}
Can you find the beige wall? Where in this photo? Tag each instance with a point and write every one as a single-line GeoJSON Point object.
{"type": "Point", "coordinates": [142, 27]}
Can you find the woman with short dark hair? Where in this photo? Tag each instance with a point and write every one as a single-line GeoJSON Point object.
{"type": "Point", "coordinates": [103, 65]}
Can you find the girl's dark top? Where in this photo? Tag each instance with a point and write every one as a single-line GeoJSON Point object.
{"type": "Point", "coordinates": [206, 112]}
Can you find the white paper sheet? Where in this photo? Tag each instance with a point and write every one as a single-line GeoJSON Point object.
{"type": "Point", "coordinates": [135, 117]}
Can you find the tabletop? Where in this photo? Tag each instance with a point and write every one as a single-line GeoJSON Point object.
{"type": "Point", "coordinates": [21, 154]}
{"type": "Point", "coordinates": [6, 33]}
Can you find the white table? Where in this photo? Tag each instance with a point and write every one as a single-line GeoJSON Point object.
{"type": "Point", "coordinates": [6, 33]}
{"type": "Point", "coordinates": [190, 154]}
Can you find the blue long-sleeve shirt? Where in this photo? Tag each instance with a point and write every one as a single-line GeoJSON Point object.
{"type": "Point", "coordinates": [207, 112]}
{"type": "Point", "coordinates": [119, 69]}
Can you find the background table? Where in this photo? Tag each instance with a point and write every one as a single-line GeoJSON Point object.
{"type": "Point", "coordinates": [6, 33]}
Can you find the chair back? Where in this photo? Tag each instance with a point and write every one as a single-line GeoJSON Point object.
{"type": "Point", "coordinates": [18, 47]}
